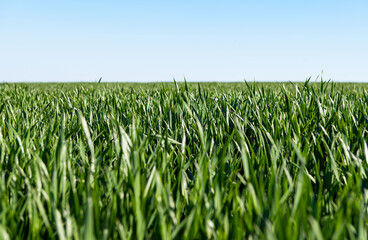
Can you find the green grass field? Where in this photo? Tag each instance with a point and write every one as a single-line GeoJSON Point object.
{"type": "Point", "coordinates": [184, 161]}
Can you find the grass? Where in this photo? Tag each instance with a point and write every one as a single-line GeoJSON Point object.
{"type": "Point", "coordinates": [183, 161]}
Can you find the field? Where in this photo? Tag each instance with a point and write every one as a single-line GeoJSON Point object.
{"type": "Point", "coordinates": [184, 161]}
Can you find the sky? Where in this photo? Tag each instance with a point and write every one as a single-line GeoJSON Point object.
{"type": "Point", "coordinates": [202, 40]}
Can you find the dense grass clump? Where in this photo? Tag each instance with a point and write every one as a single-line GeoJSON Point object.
{"type": "Point", "coordinates": [183, 161]}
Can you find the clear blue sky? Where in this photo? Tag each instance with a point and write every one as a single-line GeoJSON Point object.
{"type": "Point", "coordinates": [79, 40]}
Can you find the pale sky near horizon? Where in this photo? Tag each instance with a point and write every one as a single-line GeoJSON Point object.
{"type": "Point", "coordinates": [79, 40]}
